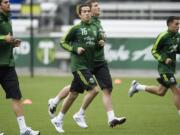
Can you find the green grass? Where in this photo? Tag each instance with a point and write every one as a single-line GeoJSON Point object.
{"type": "Point", "coordinates": [146, 114]}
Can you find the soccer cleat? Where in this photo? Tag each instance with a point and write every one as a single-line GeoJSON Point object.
{"type": "Point", "coordinates": [117, 121]}
{"type": "Point", "coordinates": [51, 108]}
{"type": "Point", "coordinates": [133, 89]}
{"type": "Point", "coordinates": [2, 133]}
{"type": "Point", "coordinates": [57, 125]}
{"type": "Point", "coordinates": [29, 131]}
{"type": "Point", "coordinates": [80, 120]}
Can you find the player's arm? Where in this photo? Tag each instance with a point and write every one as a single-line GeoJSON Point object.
{"type": "Point", "coordinates": [101, 37]}
{"type": "Point", "coordinates": [158, 45]}
{"type": "Point", "coordinates": [178, 49]}
{"type": "Point", "coordinates": [9, 39]}
{"type": "Point", "coordinates": [67, 41]}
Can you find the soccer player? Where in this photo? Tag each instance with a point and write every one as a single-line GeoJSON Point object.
{"type": "Point", "coordinates": [103, 77]}
{"type": "Point", "coordinates": [164, 50]}
{"type": "Point", "coordinates": [80, 41]}
{"type": "Point", "coordinates": [8, 76]}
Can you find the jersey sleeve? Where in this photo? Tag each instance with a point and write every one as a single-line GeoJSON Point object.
{"type": "Point", "coordinates": [178, 48]}
{"type": "Point", "coordinates": [2, 37]}
{"type": "Point", "coordinates": [158, 45]}
{"type": "Point", "coordinates": [67, 41]}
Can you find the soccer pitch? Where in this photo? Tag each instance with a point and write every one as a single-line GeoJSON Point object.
{"type": "Point", "coordinates": [146, 114]}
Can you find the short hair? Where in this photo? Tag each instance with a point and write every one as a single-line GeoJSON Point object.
{"type": "Point", "coordinates": [80, 6]}
{"type": "Point", "coordinates": [89, 2]}
{"type": "Point", "coordinates": [170, 19]}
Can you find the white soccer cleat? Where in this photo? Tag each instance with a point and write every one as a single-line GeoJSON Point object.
{"type": "Point", "coordinates": [29, 131]}
{"type": "Point", "coordinates": [57, 125]}
{"type": "Point", "coordinates": [80, 120]}
{"type": "Point", "coordinates": [51, 108]}
{"type": "Point", "coordinates": [2, 133]}
{"type": "Point", "coordinates": [133, 89]}
{"type": "Point", "coordinates": [116, 121]}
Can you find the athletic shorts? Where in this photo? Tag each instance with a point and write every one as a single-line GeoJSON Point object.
{"type": "Point", "coordinates": [103, 77]}
{"type": "Point", "coordinates": [9, 82]}
{"type": "Point", "coordinates": [167, 80]}
{"type": "Point", "coordinates": [83, 80]}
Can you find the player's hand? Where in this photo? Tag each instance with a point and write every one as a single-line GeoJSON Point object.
{"type": "Point", "coordinates": [168, 61]}
{"type": "Point", "coordinates": [80, 50]}
{"type": "Point", "coordinates": [9, 38]}
{"type": "Point", "coordinates": [16, 42]}
{"type": "Point", "coordinates": [101, 43]}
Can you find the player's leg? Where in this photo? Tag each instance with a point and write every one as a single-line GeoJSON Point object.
{"type": "Point", "coordinates": [107, 101]}
{"type": "Point", "coordinates": [175, 90]}
{"type": "Point", "coordinates": [104, 80]}
{"type": "Point", "coordinates": [88, 98]}
{"type": "Point", "coordinates": [176, 96]}
{"type": "Point", "coordinates": [11, 86]}
{"type": "Point", "coordinates": [58, 120]}
{"type": "Point", "coordinates": [76, 87]}
{"type": "Point", "coordinates": [90, 85]}
{"type": "Point", "coordinates": [178, 85]}
{"type": "Point", "coordinates": [157, 90]}
{"type": "Point", "coordinates": [53, 102]}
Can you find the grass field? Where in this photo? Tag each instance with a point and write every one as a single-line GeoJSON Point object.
{"type": "Point", "coordinates": [146, 114]}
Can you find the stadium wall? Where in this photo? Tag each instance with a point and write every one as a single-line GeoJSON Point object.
{"type": "Point", "coordinates": [120, 53]}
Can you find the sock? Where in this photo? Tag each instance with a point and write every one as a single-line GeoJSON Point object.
{"type": "Point", "coordinates": [110, 115]}
{"type": "Point", "coordinates": [179, 112]}
{"type": "Point", "coordinates": [141, 87]}
{"type": "Point", "coordinates": [22, 124]}
{"type": "Point", "coordinates": [60, 116]}
{"type": "Point", "coordinates": [56, 100]}
{"type": "Point", "coordinates": [81, 111]}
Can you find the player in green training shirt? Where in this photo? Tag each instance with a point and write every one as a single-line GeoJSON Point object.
{"type": "Point", "coordinates": [103, 77]}
{"type": "Point", "coordinates": [164, 50]}
{"type": "Point", "coordinates": [80, 41]}
{"type": "Point", "coordinates": [8, 77]}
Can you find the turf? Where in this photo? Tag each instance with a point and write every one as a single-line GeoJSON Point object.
{"type": "Point", "coordinates": [146, 114]}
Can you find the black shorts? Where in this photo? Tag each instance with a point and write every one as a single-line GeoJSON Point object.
{"type": "Point", "coordinates": [167, 80]}
{"type": "Point", "coordinates": [83, 80]}
{"type": "Point", "coordinates": [103, 77]}
{"type": "Point", "coordinates": [9, 82]}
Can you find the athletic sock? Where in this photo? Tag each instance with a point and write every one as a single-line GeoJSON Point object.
{"type": "Point", "coordinates": [81, 111]}
{"type": "Point", "coordinates": [110, 115]}
{"type": "Point", "coordinates": [141, 87]}
{"type": "Point", "coordinates": [179, 112]}
{"type": "Point", "coordinates": [22, 124]}
{"type": "Point", "coordinates": [56, 100]}
{"type": "Point", "coordinates": [60, 116]}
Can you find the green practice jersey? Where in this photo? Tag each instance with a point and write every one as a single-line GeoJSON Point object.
{"type": "Point", "coordinates": [6, 50]}
{"type": "Point", "coordinates": [99, 57]}
{"type": "Point", "coordinates": [166, 46]}
{"type": "Point", "coordinates": [83, 35]}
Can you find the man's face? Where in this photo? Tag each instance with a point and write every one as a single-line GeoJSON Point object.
{"type": "Point", "coordinates": [174, 26]}
{"type": "Point", "coordinates": [5, 6]}
{"type": "Point", "coordinates": [95, 9]}
{"type": "Point", "coordinates": [85, 14]}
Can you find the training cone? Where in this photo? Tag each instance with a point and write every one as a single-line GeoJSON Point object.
{"type": "Point", "coordinates": [117, 81]}
{"type": "Point", "coordinates": [27, 101]}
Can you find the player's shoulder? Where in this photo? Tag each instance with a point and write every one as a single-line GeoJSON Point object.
{"type": "Point", "coordinates": [76, 26]}
{"type": "Point", "coordinates": [162, 35]}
